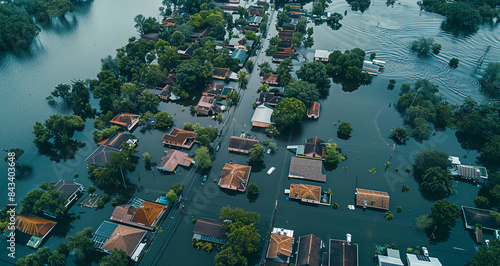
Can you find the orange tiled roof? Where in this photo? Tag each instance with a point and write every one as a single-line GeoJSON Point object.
{"type": "Point", "coordinates": [235, 177]}
{"type": "Point", "coordinates": [33, 225]}
{"type": "Point", "coordinates": [179, 136]}
{"type": "Point", "coordinates": [146, 213]}
{"type": "Point", "coordinates": [372, 198]}
{"type": "Point", "coordinates": [280, 245]}
{"type": "Point", "coordinates": [126, 238]}
{"type": "Point", "coordinates": [301, 191]}
{"type": "Point", "coordinates": [314, 109]}
{"type": "Point", "coordinates": [124, 119]}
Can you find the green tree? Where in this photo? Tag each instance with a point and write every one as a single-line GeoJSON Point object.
{"type": "Point", "coordinates": [422, 46]}
{"type": "Point", "coordinates": [169, 58]}
{"type": "Point", "coordinates": [242, 78]}
{"type": "Point", "coordinates": [82, 244]}
{"type": "Point", "coordinates": [256, 153]}
{"type": "Point", "coordinates": [453, 62]}
{"type": "Point", "coordinates": [344, 130]}
{"type": "Point", "coordinates": [18, 30]}
{"type": "Point", "coordinates": [423, 222]}
{"type": "Point", "coordinates": [289, 111]}
{"type": "Point", "coordinates": [482, 202]}
{"type": "Point", "coordinates": [303, 90]}
{"type": "Point", "coordinates": [177, 39]}
{"type": "Point", "coordinates": [427, 159]}
{"type": "Point", "coordinates": [202, 158]}
{"type": "Point", "coordinates": [40, 201]}
{"type": "Point", "coordinates": [117, 257]}
{"type": "Point", "coordinates": [399, 135]}
{"type": "Point", "coordinates": [146, 101]}
{"type": "Point", "coordinates": [445, 213]}
{"type": "Point", "coordinates": [192, 75]}
{"type": "Point", "coordinates": [57, 259]}
{"type": "Point", "coordinates": [388, 215]}
{"type": "Point", "coordinates": [491, 77]}
{"type": "Point", "coordinates": [163, 121]}
{"type": "Point", "coordinates": [333, 154]}
{"type": "Point", "coordinates": [232, 97]}
{"type": "Point", "coordinates": [437, 181]}
{"type": "Point", "coordinates": [43, 10]}
{"type": "Point", "coordinates": [315, 72]}
{"type": "Point", "coordinates": [146, 157]}
{"type": "Point", "coordinates": [146, 25]}
{"type": "Point", "coordinates": [487, 255]}
{"type": "Point", "coordinates": [171, 196]}
{"type": "Point", "coordinates": [177, 188]}
{"type": "Point", "coordinates": [284, 72]}
{"type": "Point", "coordinates": [249, 66]}
{"type": "Point", "coordinates": [253, 189]}
{"type": "Point", "coordinates": [228, 257]}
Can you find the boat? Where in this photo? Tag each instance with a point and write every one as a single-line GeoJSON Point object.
{"type": "Point", "coordinates": [268, 151]}
{"type": "Point", "coordinates": [379, 63]}
{"type": "Point", "coordinates": [271, 170]}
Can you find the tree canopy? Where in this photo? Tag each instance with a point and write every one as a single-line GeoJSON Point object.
{"type": "Point", "coordinates": [445, 213]}
{"type": "Point", "coordinates": [289, 111]}
{"type": "Point", "coordinates": [315, 72]}
{"type": "Point", "coordinates": [117, 257]}
{"type": "Point", "coordinates": [427, 159]}
{"type": "Point", "coordinates": [202, 158]}
{"type": "Point", "coordinates": [17, 30]}
{"type": "Point", "coordinates": [163, 121]}
{"type": "Point", "coordinates": [438, 181]}
{"type": "Point", "coordinates": [303, 90]}
{"type": "Point", "coordinates": [344, 131]}
{"type": "Point", "coordinates": [82, 244]}
{"type": "Point", "coordinates": [491, 77]}
{"type": "Point", "coordinates": [192, 75]}
{"type": "Point", "coordinates": [334, 155]}
{"type": "Point", "coordinates": [256, 153]}
{"type": "Point", "coordinates": [46, 200]}
{"type": "Point", "coordinates": [348, 65]}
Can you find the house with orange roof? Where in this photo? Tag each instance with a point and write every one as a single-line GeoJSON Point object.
{"type": "Point", "coordinates": [372, 199]}
{"type": "Point", "coordinates": [235, 177]}
{"type": "Point", "coordinates": [173, 158]}
{"type": "Point", "coordinates": [139, 213]}
{"type": "Point", "coordinates": [30, 230]}
{"type": "Point", "coordinates": [305, 193]}
{"type": "Point", "coordinates": [102, 154]}
{"type": "Point", "coordinates": [207, 106]}
{"type": "Point", "coordinates": [110, 236]}
{"type": "Point", "coordinates": [280, 245]}
{"type": "Point", "coordinates": [180, 138]}
{"type": "Point", "coordinates": [126, 120]}
{"type": "Point", "coordinates": [313, 111]}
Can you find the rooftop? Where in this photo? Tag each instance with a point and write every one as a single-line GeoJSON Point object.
{"type": "Point", "coordinates": [139, 213]}
{"type": "Point", "coordinates": [372, 199]}
{"type": "Point", "coordinates": [235, 177]}
{"type": "Point", "coordinates": [321, 54]}
{"type": "Point", "coordinates": [263, 114]}
{"type": "Point", "coordinates": [342, 253]}
{"type": "Point", "coordinates": [179, 137]}
{"type": "Point", "coordinates": [473, 216]}
{"type": "Point", "coordinates": [34, 225]}
{"type": "Point", "coordinates": [125, 119]}
{"type": "Point", "coordinates": [392, 259]}
{"type": "Point", "coordinates": [210, 230]}
{"type": "Point", "coordinates": [101, 156]}
{"type": "Point", "coordinates": [116, 140]}
{"type": "Point", "coordinates": [308, 169]}
{"type": "Point", "coordinates": [314, 148]}
{"type": "Point", "coordinates": [269, 98]}
{"type": "Point", "coordinates": [313, 110]}
{"type": "Point", "coordinates": [110, 236]}
{"type": "Point", "coordinates": [307, 192]}
{"type": "Point", "coordinates": [240, 144]}
{"type": "Point", "coordinates": [207, 105]}
{"type": "Point", "coordinates": [173, 158]}
{"type": "Point", "coordinates": [68, 188]}
{"type": "Point", "coordinates": [216, 88]}
{"type": "Point", "coordinates": [280, 247]}
{"type": "Point", "coordinates": [421, 260]}
{"type": "Point", "coordinates": [308, 252]}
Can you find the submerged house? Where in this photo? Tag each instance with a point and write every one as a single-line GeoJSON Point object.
{"type": "Point", "coordinates": [313, 110]}
{"type": "Point", "coordinates": [152, 36]}
{"type": "Point", "coordinates": [305, 193]}
{"type": "Point", "coordinates": [286, 48]}
{"type": "Point", "coordinates": [280, 245]}
{"type": "Point", "coordinates": [370, 68]}
{"type": "Point", "coordinates": [139, 213]}
{"type": "Point", "coordinates": [307, 169]}
{"type": "Point", "coordinates": [110, 236]}
{"type": "Point", "coordinates": [69, 191]}
{"type": "Point", "coordinates": [174, 158]}
{"type": "Point", "coordinates": [222, 73]}
{"type": "Point", "coordinates": [240, 55]}
{"type": "Point", "coordinates": [30, 230]}
{"type": "Point", "coordinates": [180, 138]}
{"type": "Point", "coordinates": [421, 260]}
{"type": "Point", "coordinates": [214, 89]}
{"type": "Point", "coordinates": [372, 199]}
{"type": "Point", "coordinates": [210, 230]}
{"type": "Point", "coordinates": [262, 116]}
{"type": "Point", "coordinates": [309, 249]}
{"type": "Point", "coordinates": [126, 120]}
{"type": "Point", "coordinates": [392, 258]}
{"type": "Point", "coordinates": [207, 106]}
{"type": "Point", "coordinates": [342, 252]}
{"type": "Point", "coordinates": [473, 216]}
{"type": "Point", "coordinates": [268, 98]}
{"type": "Point", "coordinates": [235, 177]}
{"type": "Point", "coordinates": [270, 78]}
{"type": "Point", "coordinates": [321, 55]}
{"type": "Point", "coordinates": [108, 146]}
{"type": "Point", "coordinates": [312, 148]}
{"type": "Point", "coordinates": [241, 145]}
{"type": "Point", "coordinates": [186, 54]}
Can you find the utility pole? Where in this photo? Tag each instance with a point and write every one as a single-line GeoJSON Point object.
{"type": "Point", "coordinates": [431, 236]}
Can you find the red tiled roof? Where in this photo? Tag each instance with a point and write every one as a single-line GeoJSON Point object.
{"type": "Point", "coordinates": [178, 136]}
{"type": "Point", "coordinates": [34, 225]}
{"type": "Point", "coordinates": [124, 119]}
{"type": "Point", "coordinates": [372, 198]}
{"type": "Point", "coordinates": [126, 238]}
{"type": "Point", "coordinates": [308, 192]}
{"type": "Point", "coordinates": [313, 110]}
{"type": "Point", "coordinates": [174, 158]}
{"type": "Point", "coordinates": [235, 177]}
{"type": "Point", "coordinates": [280, 245]}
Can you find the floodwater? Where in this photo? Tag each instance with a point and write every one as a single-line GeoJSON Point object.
{"type": "Point", "coordinates": [72, 50]}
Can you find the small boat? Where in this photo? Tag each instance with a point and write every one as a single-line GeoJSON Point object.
{"type": "Point", "coordinates": [218, 147]}
{"type": "Point", "coordinates": [271, 170]}
{"type": "Point", "coordinates": [379, 63]}
{"type": "Point", "coordinates": [268, 151]}
{"type": "Point", "coordinates": [193, 98]}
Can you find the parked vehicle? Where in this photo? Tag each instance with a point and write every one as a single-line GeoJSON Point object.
{"type": "Point", "coordinates": [205, 177]}
{"type": "Point", "coordinates": [268, 151]}
{"type": "Point", "coordinates": [271, 170]}
{"type": "Point", "coordinates": [425, 251]}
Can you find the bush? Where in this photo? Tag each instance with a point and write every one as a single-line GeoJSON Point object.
{"type": "Point", "coordinates": [335, 205]}
{"type": "Point", "coordinates": [399, 209]}
{"type": "Point", "coordinates": [253, 189]}
{"type": "Point", "coordinates": [388, 215]}
{"type": "Point", "coordinates": [91, 189]}
{"type": "Point", "coordinates": [405, 188]}
{"type": "Point", "coordinates": [436, 48]}
{"type": "Point", "coordinates": [453, 62]}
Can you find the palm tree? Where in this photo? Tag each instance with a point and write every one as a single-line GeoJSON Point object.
{"type": "Point", "coordinates": [437, 181]}
{"type": "Point", "coordinates": [57, 259]}
{"type": "Point", "coordinates": [400, 135]}
{"type": "Point", "coordinates": [243, 78]}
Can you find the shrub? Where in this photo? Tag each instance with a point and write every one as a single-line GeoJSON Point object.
{"type": "Point", "coordinates": [335, 205]}
{"type": "Point", "coordinates": [399, 209]}
{"type": "Point", "coordinates": [453, 62]}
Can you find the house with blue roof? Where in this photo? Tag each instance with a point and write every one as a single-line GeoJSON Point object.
{"type": "Point", "coordinates": [241, 55]}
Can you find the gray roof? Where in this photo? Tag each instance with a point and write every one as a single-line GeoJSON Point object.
{"type": "Point", "coordinates": [101, 156]}
{"type": "Point", "coordinates": [342, 253]}
{"type": "Point", "coordinates": [322, 53]}
{"type": "Point", "coordinates": [308, 169]}
{"type": "Point", "coordinates": [67, 187]}
{"type": "Point", "coordinates": [421, 260]}
{"type": "Point", "coordinates": [263, 114]}
{"type": "Point", "coordinates": [473, 216]}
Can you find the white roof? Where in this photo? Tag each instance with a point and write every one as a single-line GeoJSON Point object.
{"type": "Point", "coordinates": [454, 160]}
{"type": "Point", "coordinates": [392, 259]}
{"type": "Point", "coordinates": [322, 53]}
{"type": "Point", "coordinates": [421, 260]}
{"type": "Point", "coordinates": [282, 231]}
{"type": "Point", "coordinates": [263, 114]}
